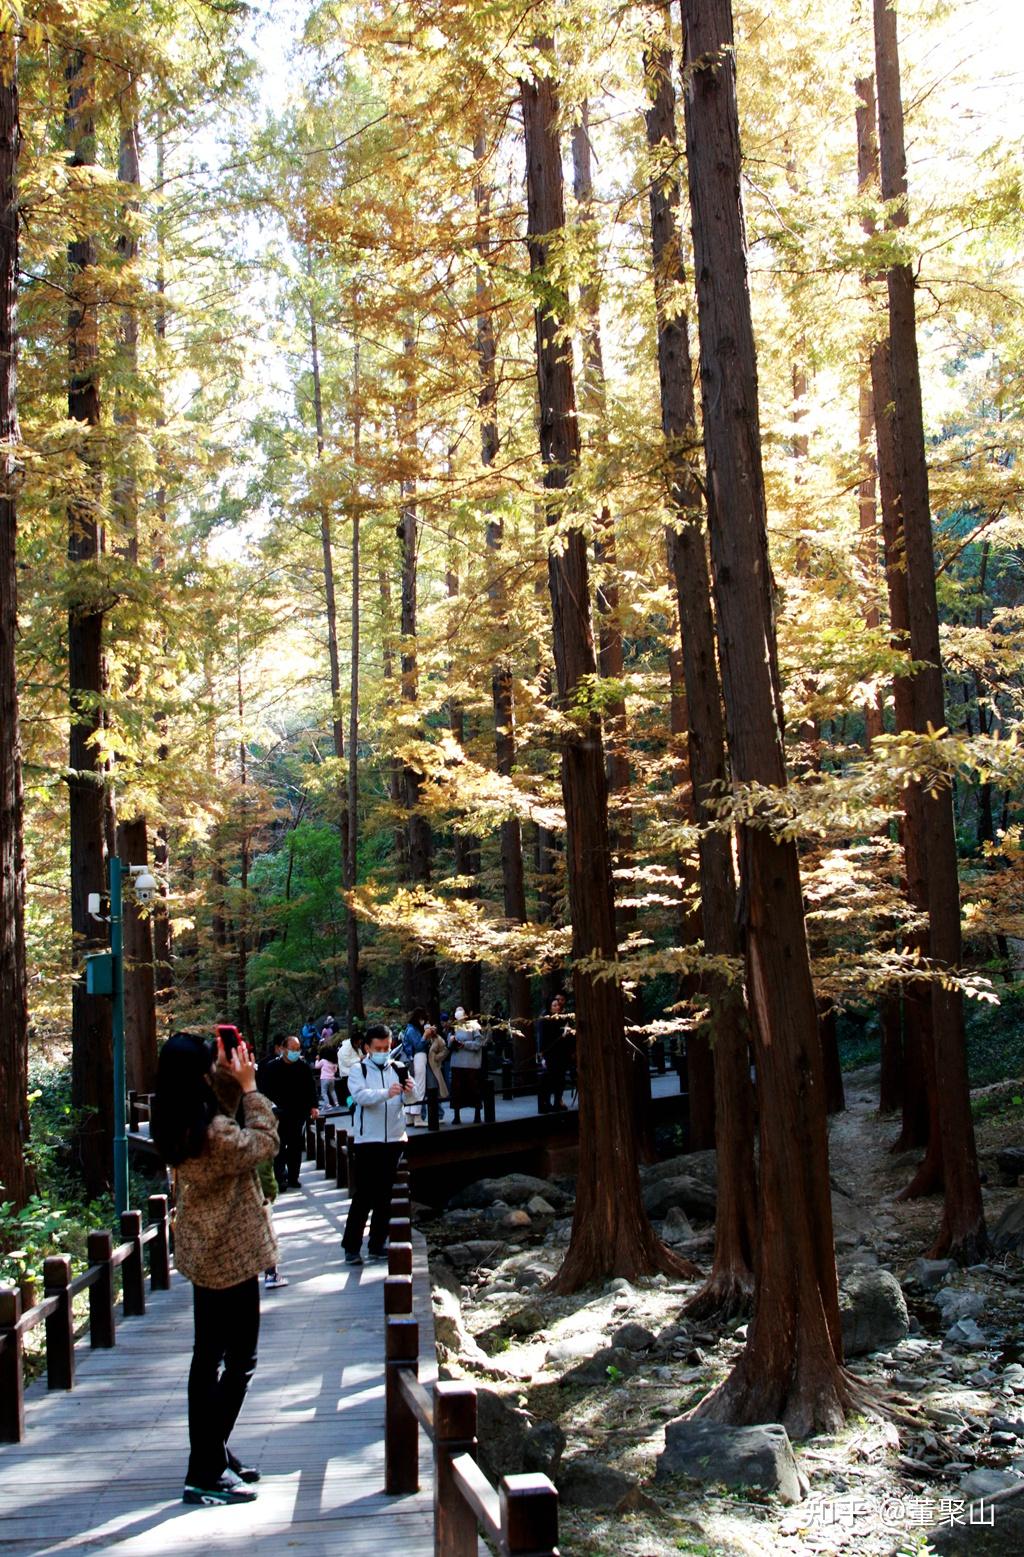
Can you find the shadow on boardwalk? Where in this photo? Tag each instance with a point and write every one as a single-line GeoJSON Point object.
{"type": "Point", "coordinates": [101, 1469]}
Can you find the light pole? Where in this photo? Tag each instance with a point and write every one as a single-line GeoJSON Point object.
{"type": "Point", "coordinates": [104, 974]}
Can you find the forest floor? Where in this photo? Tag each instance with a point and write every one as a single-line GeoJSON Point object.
{"type": "Point", "coordinates": [949, 1410]}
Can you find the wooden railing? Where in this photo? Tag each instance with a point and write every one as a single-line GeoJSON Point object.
{"type": "Point", "coordinates": [520, 1516]}
{"type": "Point", "coordinates": [60, 1289]}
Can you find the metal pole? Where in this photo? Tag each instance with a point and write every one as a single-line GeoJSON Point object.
{"type": "Point", "coordinates": [120, 1120]}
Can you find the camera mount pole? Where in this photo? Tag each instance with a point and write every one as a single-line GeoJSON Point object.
{"type": "Point", "coordinates": [120, 1095]}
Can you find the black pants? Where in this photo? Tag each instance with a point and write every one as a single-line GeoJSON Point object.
{"type": "Point", "coordinates": [557, 1060]}
{"type": "Point", "coordinates": [291, 1131]}
{"type": "Point", "coordinates": [376, 1165]}
{"type": "Point", "coordinates": [227, 1327]}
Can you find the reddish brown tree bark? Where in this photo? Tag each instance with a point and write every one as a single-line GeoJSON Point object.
{"type": "Point", "coordinates": [730, 1283]}
{"type": "Point", "coordinates": [16, 1180]}
{"type": "Point", "coordinates": [611, 1234]}
{"type": "Point", "coordinates": [962, 1232]}
{"type": "Point", "coordinates": [790, 1370]}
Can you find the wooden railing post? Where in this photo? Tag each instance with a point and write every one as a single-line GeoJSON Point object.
{"type": "Point", "coordinates": [401, 1205]}
{"type": "Point", "coordinates": [399, 1259]}
{"type": "Point", "coordinates": [401, 1430]}
{"type": "Point", "coordinates": [397, 1295]}
{"type": "Point", "coordinates": [529, 1516]}
{"type": "Point", "coordinates": [319, 1127]}
{"type": "Point", "coordinates": [159, 1248]}
{"type": "Point", "coordinates": [310, 1140]}
{"type": "Point", "coordinates": [350, 1158]}
{"type": "Point", "coordinates": [60, 1326]}
{"type": "Point", "coordinates": [133, 1275]}
{"type": "Point", "coordinates": [487, 1087]}
{"type": "Point", "coordinates": [133, 1109]}
{"type": "Point", "coordinates": [330, 1151]}
{"type": "Point", "coordinates": [12, 1371]}
{"type": "Point", "coordinates": [433, 1109]}
{"type": "Point", "coordinates": [341, 1156]}
{"type": "Point", "coordinates": [99, 1248]}
{"type": "Point", "coordinates": [508, 1084]}
{"type": "Point", "coordinates": [454, 1433]}
{"type": "Point", "coordinates": [400, 1230]}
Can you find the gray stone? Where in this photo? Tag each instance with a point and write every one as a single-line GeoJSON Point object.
{"type": "Point", "coordinates": [737, 1456]}
{"type": "Point", "coordinates": [516, 1219]}
{"type": "Point", "coordinates": [929, 1274]}
{"type": "Point", "coordinates": [594, 1370]}
{"type": "Point", "coordinates": [986, 1483]}
{"type": "Point", "coordinates": [1004, 1537]}
{"type": "Point", "coordinates": [1007, 1236]}
{"type": "Point", "coordinates": [873, 1311]}
{"type": "Point", "coordinates": [451, 1332]}
{"type": "Point", "coordinates": [634, 1337]}
{"type": "Point", "coordinates": [525, 1321]}
{"type": "Point", "coordinates": [570, 1348]}
{"type": "Point", "coordinates": [528, 1277]}
{"type": "Point", "coordinates": [671, 1336]}
{"type": "Point", "coordinates": [620, 1284]}
{"type": "Point", "coordinates": [538, 1206]}
{"type": "Point", "coordinates": [677, 1227]}
{"type": "Point", "coordinates": [501, 1435]}
{"type": "Point", "coordinates": [515, 1189]}
{"type": "Point", "coordinates": [698, 1165]}
{"type": "Point", "coordinates": [589, 1483]}
{"type": "Point", "coordinates": [695, 1198]}
{"type": "Point", "coordinates": [857, 1259]}
{"type": "Point", "coordinates": [473, 1253]}
{"type": "Point", "coordinates": [960, 1303]}
{"type": "Point", "coordinates": [1010, 1162]}
{"type": "Point", "coordinates": [543, 1449]}
{"type": "Point", "coordinates": [1006, 1424]}
{"type": "Point", "coordinates": [851, 1223]}
{"type": "Point", "coordinates": [967, 1333]}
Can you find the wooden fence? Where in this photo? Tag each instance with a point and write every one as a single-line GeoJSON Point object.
{"type": "Point", "coordinates": [520, 1516]}
{"type": "Point", "coordinates": [60, 1288]}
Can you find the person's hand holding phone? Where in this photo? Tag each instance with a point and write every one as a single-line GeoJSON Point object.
{"type": "Point", "coordinates": [240, 1063]}
{"type": "Point", "coordinates": [394, 1089]}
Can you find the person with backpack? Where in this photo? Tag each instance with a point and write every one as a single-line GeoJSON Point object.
{"type": "Point", "coordinates": [378, 1136]}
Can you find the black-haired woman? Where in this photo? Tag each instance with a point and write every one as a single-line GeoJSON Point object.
{"type": "Point", "coordinates": [223, 1240]}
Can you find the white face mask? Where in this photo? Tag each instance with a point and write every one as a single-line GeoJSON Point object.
{"type": "Point", "coordinates": [380, 1060]}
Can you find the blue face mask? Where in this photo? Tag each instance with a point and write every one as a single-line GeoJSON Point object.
{"type": "Point", "coordinates": [293, 1054]}
{"type": "Point", "coordinates": [380, 1060]}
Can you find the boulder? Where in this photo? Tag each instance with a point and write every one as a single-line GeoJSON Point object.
{"type": "Point", "coordinates": [634, 1337]}
{"type": "Point", "coordinates": [967, 1333]}
{"type": "Point", "coordinates": [695, 1198]}
{"type": "Point", "coordinates": [515, 1189]}
{"type": "Point", "coordinates": [571, 1348]}
{"type": "Point", "coordinates": [696, 1165]}
{"type": "Point", "coordinates": [473, 1253]}
{"type": "Point", "coordinates": [516, 1219]}
{"type": "Point", "coordinates": [1007, 1236]}
{"type": "Point", "coordinates": [1004, 1537]}
{"type": "Point", "coordinates": [738, 1456]}
{"type": "Point", "coordinates": [986, 1483]}
{"type": "Point", "coordinates": [929, 1274]}
{"type": "Point", "coordinates": [502, 1431]}
{"type": "Point", "coordinates": [594, 1370]}
{"type": "Point", "coordinates": [873, 1311]}
{"type": "Point", "coordinates": [1010, 1162]}
{"type": "Point", "coordinates": [543, 1449]}
{"type": "Point", "coordinates": [538, 1206]}
{"type": "Point", "coordinates": [960, 1303]}
{"type": "Point", "coordinates": [588, 1483]}
{"type": "Point", "coordinates": [451, 1331]}
{"type": "Point", "coordinates": [677, 1227]}
{"type": "Point", "coordinates": [525, 1321]}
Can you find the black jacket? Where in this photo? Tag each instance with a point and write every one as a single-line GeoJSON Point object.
{"type": "Point", "coordinates": [291, 1085]}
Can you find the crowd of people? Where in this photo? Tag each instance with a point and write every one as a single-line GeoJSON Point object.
{"type": "Point", "coordinates": [232, 1133]}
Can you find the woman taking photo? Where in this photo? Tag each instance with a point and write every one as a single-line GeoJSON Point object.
{"type": "Point", "coordinates": [223, 1240]}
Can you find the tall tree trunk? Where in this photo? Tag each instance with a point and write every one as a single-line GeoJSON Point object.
{"type": "Point", "coordinates": [16, 1179]}
{"type": "Point", "coordinates": [356, 1004]}
{"type": "Point", "coordinates": [419, 969]}
{"type": "Point", "coordinates": [611, 1234]}
{"type": "Point", "coordinates": [513, 879]}
{"type": "Point", "coordinates": [92, 1078]}
{"type": "Point", "coordinates": [790, 1369]}
{"type": "Point", "coordinates": [466, 846]}
{"type": "Point", "coordinates": [163, 972]}
{"type": "Point", "coordinates": [132, 832]}
{"type": "Point", "coordinates": [242, 1016]}
{"type": "Point", "coordinates": [730, 1283]}
{"type": "Point", "coordinates": [962, 1232]}
{"type": "Point", "coordinates": [890, 1007]}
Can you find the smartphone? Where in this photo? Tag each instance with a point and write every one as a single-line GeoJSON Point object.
{"type": "Point", "coordinates": [229, 1036]}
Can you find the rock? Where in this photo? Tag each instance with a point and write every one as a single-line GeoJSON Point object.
{"type": "Point", "coordinates": [677, 1226]}
{"type": "Point", "coordinates": [502, 1431]}
{"type": "Point", "coordinates": [967, 1333]}
{"type": "Point", "coordinates": [695, 1198]}
{"type": "Point", "coordinates": [986, 1483]}
{"type": "Point", "coordinates": [851, 1224]}
{"type": "Point", "coordinates": [929, 1274]}
{"type": "Point", "coordinates": [672, 1335]}
{"type": "Point", "coordinates": [515, 1189]}
{"type": "Point", "coordinates": [1007, 1236]}
{"type": "Point", "coordinates": [594, 1370]}
{"type": "Point", "coordinates": [473, 1253]}
{"type": "Point", "coordinates": [737, 1456]}
{"type": "Point", "coordinates": [873, 1311]}
{"type": "Point", "coordinates": [1004, 1537]}
{"type": "Point", "coordinates": [570, 1348]}
{"type": "Point", "coordinates": [516, 1219]}
{"type": "Point", "coordinates": [960, 1303]}
{"type": "Point", "coordinates": [620, 1284]}
{"type": "Point", "coordinates": [698, 1165]}
{"type": "Point", "coordinates": [1010, 1162]}
{"type": "Point", "coordinates": [525, 1321]}
{"type": "Point", "coordinates": [1005, 1424]}
{"type": "Point", "coordinates": [634, 1337]}
{"type": "Point", "coordinates": [528, 1277]}
{"type": "Point", "coordinates": [543, 1449]}
{"type": "Point", "coordinates": [561, 1231]}
{"type": "Point", "coordinates": [451, 1331]}
{"type": "Point", "coordinates": [538, 1206]}
{"type": "Point", "coordinates": [589, 1483]}
{"type": "Point", "coordinates": [857, 1259]}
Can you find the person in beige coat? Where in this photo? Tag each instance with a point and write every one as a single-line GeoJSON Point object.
{"type": "Point", "coordinates": [224, 1239]}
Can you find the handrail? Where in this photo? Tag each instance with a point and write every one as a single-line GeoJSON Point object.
{"type": "Point", "coordinates": [520, 1516]}
{"type": "Point", "coordinates": [55, 1309]}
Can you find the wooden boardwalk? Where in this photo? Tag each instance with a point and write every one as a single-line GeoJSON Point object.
{"type": "Point", "coordinates": [101, 1469]}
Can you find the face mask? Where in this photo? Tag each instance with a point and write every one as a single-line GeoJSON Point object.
{"type": "Point", "coordinates": [380, 1060]}
{"type": "Point", "coordinates": [292, 1054]}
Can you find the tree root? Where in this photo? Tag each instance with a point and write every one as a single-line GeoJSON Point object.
{"type": "Point", "coordinates": [727, 1294]}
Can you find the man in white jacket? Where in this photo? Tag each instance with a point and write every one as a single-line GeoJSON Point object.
{"type": "Point", "coordinates": [378, 1122]}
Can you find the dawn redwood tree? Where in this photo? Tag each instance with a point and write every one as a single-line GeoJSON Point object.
{"type": "Point", "coordinates": [730, 1283]}
{"type": "Point", "coordinates": [15, 1175]}
{"type": "Point", "coordinates": [92, 1081]}
{"type": "Point", "coordinates": [356, 1003]}
{"type": "Point", "coordinates": [790, 1370]}
{"type": "Point", "coordinates": [962, 1232]}
{"type": "Point", "coordinates": [611, 1234]}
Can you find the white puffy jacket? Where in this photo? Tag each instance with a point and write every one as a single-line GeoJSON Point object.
{"type": "Point", "coordinates": [376, 1117]}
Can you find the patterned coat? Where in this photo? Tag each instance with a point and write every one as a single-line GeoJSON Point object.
{"type": "Point", "coordinates": [223, 1233]}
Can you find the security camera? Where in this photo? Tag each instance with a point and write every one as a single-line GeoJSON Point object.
{"type": "Point", "coordinates": [145, 885]}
